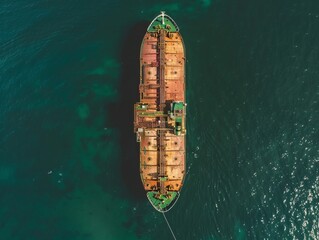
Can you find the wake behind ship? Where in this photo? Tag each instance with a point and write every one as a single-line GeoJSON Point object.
{"type": "Point", "coordinates": [160, 115]}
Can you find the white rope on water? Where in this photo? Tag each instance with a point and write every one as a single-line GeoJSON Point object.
{"type": "Point", "coordinates": [169, 226]}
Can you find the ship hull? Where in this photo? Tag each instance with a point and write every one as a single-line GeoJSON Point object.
{"type": "Point", "coordinates": [160, 115]}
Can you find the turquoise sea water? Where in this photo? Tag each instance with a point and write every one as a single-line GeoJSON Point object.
{"type": "Point", "coordinates": [68, 157]}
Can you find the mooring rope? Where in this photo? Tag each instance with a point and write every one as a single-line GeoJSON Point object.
{"type": "Point", "coordinates": [169, 226]}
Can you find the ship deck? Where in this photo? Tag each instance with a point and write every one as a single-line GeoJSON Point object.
{"type": "Point", "coordinates": [162, 84]}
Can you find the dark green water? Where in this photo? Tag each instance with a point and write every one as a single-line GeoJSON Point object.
{"type": "Point", "coordinates": [68, 157]}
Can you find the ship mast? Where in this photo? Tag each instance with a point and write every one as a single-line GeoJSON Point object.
{"type": "Point", "coordinates": [163, 14]}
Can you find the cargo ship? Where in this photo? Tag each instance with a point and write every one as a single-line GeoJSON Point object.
{"type": "Point", "coordinates": [160, 114]}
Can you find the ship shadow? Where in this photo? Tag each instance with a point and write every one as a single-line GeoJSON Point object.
{"type": "Point", "coordinates": [123, 113]}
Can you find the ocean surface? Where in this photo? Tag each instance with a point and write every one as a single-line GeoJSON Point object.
{"type": "Point", "coordinates": [69, 74]}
